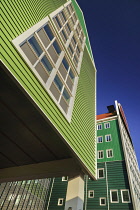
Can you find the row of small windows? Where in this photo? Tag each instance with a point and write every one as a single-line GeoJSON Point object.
{"type": "Point", "coordinates": [48, 58]}
{"type": "Point", "coordinates": [125, 197]}
{"type": "Point", "coordinates": [109, 153]}
{"type": "Point", "coordinates": [106, 125]}
{"type": "Point", "coordinates": [113, 196]}
{"type": "Point", "coordinates": [107, 138]}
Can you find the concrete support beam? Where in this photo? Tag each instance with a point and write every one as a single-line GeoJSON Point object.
{"type": "Point", "coordinates": [75, 194]}
{"type": "Point", "coordinates": [58, 168]}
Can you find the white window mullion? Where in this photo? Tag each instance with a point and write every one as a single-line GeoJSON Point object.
{"type": "Point", "coordinates": [54, 71]}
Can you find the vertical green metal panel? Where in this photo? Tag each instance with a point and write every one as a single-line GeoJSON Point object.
{"type": "Point", "coordinates": [17, 17]}
{"type": "Point", "coordinates": [100, 190]}
{"type": "Point", "coordinates": [59, 191]}
{"type": "Point", "coordinates": [115, 144]}
{"type": "Point", "coordinates": [82, 22]}
{"type": "Point", "coordinates": [118, 179]}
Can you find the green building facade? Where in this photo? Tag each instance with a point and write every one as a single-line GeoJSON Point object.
{"type": "Point", "coordinates": [113, 188]}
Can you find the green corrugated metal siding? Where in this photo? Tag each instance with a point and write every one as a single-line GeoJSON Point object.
{"type": "Point", "coordinates": [82, 22]}
{"type": "Point", "coordinates": [115, 144]}
{"type": "Point", "coordinates": [17, 17]}
{"type": "Point", "coordinates": [100, 190]}
{"type": "Point", "coordinates": [59, 191]}
{"type": "Point", "coordinates": [116, 178]}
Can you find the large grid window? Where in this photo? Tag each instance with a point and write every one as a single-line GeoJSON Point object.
{"type": "Point", "coordinates": [49, 59]}
{"type": "Point", "coordinates": [70, 32]}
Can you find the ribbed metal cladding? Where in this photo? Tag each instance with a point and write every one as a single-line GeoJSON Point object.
{"type": "Point", "coordinates": [30, 194]}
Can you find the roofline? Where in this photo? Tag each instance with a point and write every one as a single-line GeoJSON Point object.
{"type": "Point", "coordinates": [107, 119]}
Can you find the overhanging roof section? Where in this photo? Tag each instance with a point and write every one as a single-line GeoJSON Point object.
{"type": "Point", "coordinates": [106, 115]}
{"type": "Point", "coordinates": [31, 120]}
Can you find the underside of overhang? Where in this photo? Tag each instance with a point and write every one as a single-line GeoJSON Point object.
{"type": "Point", "coordinates": [26, 135]}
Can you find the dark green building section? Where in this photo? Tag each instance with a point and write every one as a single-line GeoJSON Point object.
{"type": "Point", "coordinates": [58, 189]}
{"type": "Point", "coordinates": [115, 144]}
{"type": "Point", "coordinates": [115, 179]}
{"type": "Point", "coordinates": [99, 188]}
{"type": "Point", "coordinates": [118, 179]}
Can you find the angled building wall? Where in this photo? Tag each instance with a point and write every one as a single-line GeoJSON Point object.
{"type": "Point", "coordinates": [51, 74]}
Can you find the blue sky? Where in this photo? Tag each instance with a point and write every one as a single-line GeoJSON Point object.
{"type": "Point", "coordinates": [114, 33]}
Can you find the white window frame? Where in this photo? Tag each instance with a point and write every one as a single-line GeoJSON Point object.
{"type": "Point", "coordinates": [31, 31]}
{"type": "Point", "coordinates": [64, 178]}
{"type": "Point", "coordinates": [59, 200]}
{"type": "Point", "coordinates": [108, 150]}
{"type": "Point", "coordinates": [128, 196]}
{"type": "Point", "coordinates": [98, 138]}
{"type": "Point", "coordinates": [106, 137]}
{"type": "Point", "coordinates": [111, 196]}
{"type": "Point", "coordinates": [98, 152]}
{"type": "Point", "coordinates": [107, 123]}
{"type": "Point", "coordinates": [90, 191]}
{"type": "Point", "coordinates": [103, 173]}
{"type": "Point", "coordinates": [100, 201]}
{"type": "Point", "coordinates": [98, 126]}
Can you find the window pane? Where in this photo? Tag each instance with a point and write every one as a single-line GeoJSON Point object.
{"type": "Point", "coordinates": [101, 173]}
{"type": "Point", "coordinates": [58, 82]}
{"type": "Point", "coordinates": [49, 32]}
{"type": "Point", "coordinates": [57, 48]}
{"type": "Point", "coordinates": [68, 27]}
{"type": "Point", "coordinates": [66, 95]}
{"type": "Point", "coordinates": [76, 59]}
{"type": "Point", "coordinates": [63, 15]}
{"type": "Point", "coordinates": [42, 72]}
{"type": "Point", "coordinates": [99, 139]}
{"type": "Point", "coordinates": [47, 64]}
{"type": "Point", "coordinates": [65, 63]}
{"type": "Point", "coordinates": [71, 74]}
{"type": "Point", "coordinates": [102, 201]}
{"type": "Point", "coordinates": [74, 39]}
{"type": "Point", "coordinates": [125, 196]}
{"type": "Point", "coordinates": [69, 83]}
{"type": "Point", "coordinates": [55, 91]}
{"type": "Point", "coordinates": [53, 53]}
{"type": "Point", "coordinates": [29, 53]}
{"type": "Point", "coordinates": [64, 104]}
{"type": "Point", "coordinates": [58, 22]}
{"type": "Point", "coordinates": [64, 34]}
{"type": "Point", "coordinates": [108, 138]}
{"type": "Point", "coordinates": [35, 46]}
{"type": "Point", "coordinates": [114, 196]}
{"type": "Point", "coordinates": [44, 38]}
{"type": "Point", "coordinates": [70, 47]}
